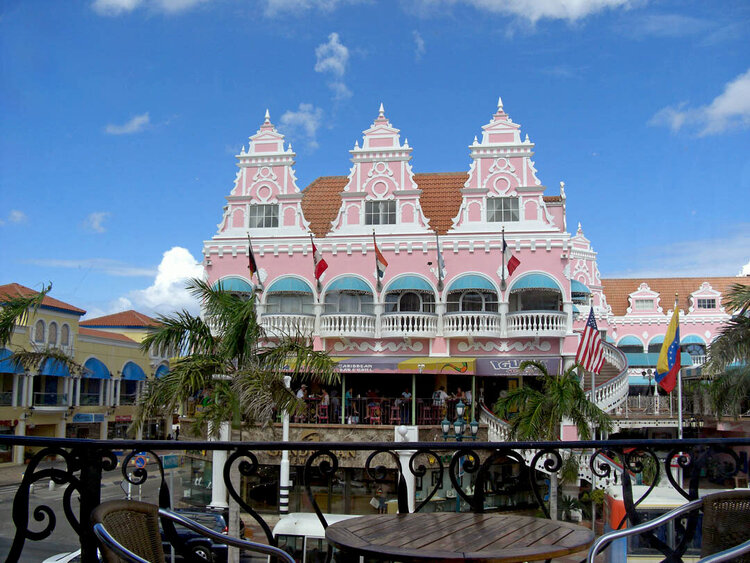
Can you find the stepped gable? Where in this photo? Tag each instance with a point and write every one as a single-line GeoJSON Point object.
{"type": "Point", "coordinates": [440, 199]}
{"type": "Point", "coordinates": [12, 290]}
{"type": "Point", "coordinates": [617, 290]}
{"type": "Point", "coordinates": [83, 331]}
{"type": "Point", "coordinates": [126, 319]}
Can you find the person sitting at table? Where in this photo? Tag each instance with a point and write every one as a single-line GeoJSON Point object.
{"type": "Point", "coordinates": [325, 399]}
{"type": "Point", "coordinates": [459, 394]}
{"type": "Point", "coordinates": [302, 392]}
{"type": "Point", "coordinates": [439, 397]}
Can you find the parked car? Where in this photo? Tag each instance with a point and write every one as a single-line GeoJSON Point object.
{"type": "Point", "coordinates": [201, 546]}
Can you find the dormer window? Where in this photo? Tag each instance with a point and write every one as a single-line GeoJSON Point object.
{"type": "Point", "coordinates": [707, 303]}
{"type": "Point", "coordinates": [264, 216]}
{"type": "Point", "coordinates": [643, 305]}
{"type": "Point", "coordinates": [502, 209]}
{"type": "Point", "coordinates": [380, 212]}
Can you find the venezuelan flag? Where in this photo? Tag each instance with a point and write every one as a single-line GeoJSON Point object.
{"type": "Point", "coordinates": [668, 365]}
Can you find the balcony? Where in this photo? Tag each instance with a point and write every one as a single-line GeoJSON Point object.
{"type": "Point", "coordinates": [525, 324]}
{"type": "Point", "coordinates": [6, 398]}
{"type": "Point", "coordinates": [287, 324]}
{"type": "Point", "coordinates": [51, 401]}
{"type": "Point", "coordinates": [510, 480]}
{"type": "Point", "coordinates": [477, 324]}
{"type": "Point", "coordinates": [347, 324]}
{"type": "Point", "coordinates": [89, 399]}
{"type": "Point", "coordinates": [407, 325]}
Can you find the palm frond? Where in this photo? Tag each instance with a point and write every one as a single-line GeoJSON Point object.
{"type": "Point", "coordinates": [729, 392]}
{"type": "Point", "coordinates": [31, 361]}
{"type": "Point", "coordinates": [182, 332]}
{"type": "Point", "coordinates": [17, 310]}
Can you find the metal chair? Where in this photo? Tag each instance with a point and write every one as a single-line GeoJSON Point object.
{"type": "Point", "coordinates": [726, 527]}
{"type": "Point", "coordinates": [128, 530]}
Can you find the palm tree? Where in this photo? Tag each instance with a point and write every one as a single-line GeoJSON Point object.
{"type": "Point", "coordinates": [728, 360]}
{"type": "Point", "coordinates": [538, 415]}
{"type": "Point", "coordinates": [226, 363]}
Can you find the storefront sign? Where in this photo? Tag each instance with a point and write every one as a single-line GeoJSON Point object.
{"type": "Point", "coordinates": [510, 366]}
{"type": "Point", "coordinates": [123, 418]}
{"type": "Point", "coordinates": [87, 418]}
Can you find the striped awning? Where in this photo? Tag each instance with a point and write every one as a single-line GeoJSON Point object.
{"type": "Point", "coordinates": [234, 284]}
{"type": "Point", "coordinates": [95, 369]}
{"type": "Point", "coordinates": [291, 285]}
{"type": "Point", "coordinates": [471, 281]}
{"type": "Point", "coordinates": [535, 281]}
{"type": "Point", "coordinates": [349, 284]}
{"type": "Point", "coordinates": [413, 283]}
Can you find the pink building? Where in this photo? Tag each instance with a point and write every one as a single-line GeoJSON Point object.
{"type": "Point", "coordinates": [442, 325]}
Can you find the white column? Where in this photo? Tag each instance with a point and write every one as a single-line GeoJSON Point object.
{"type": "Point", "coordinates": [407, 434]}
{"type": "Point", "coordinates": [440, 310]}
{"type": "Point", "coordinates": [284, 468]}
{"type": "Point", "coordinates": [14, 396]}
{"type": "Point", "coordinates": [219, 458]}
{"type": "Point", "coordinates": [27, 390]}
{"type": "Point", "coordinates": [378, 308]}
{"type": "Point", "coordinates": [70, 383]}
{"type": "Point", "coordinates": [104, 428]}
{"type": "Point", "coordinates": [503, 309]}
{"type": "Point", "coordinates": [318, 310]}
{"type": "Point", "coordinates": [78, 392]}
{"type": "Point", "coordinates": [118, 389]}
{"type": "Point", "coordinates": [19, 450]}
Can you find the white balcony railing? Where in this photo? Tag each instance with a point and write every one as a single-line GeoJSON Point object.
{"type": "Point", "coordinates": [471, 324]}
{"type": "Point", "coordinates": [537, 323]}
{"type": "Point", "coordinates": [287, 324]}
{"type": "Point", "coordinates": [409, 324]}
{"type": "Point", "coordinates": [347, 324]}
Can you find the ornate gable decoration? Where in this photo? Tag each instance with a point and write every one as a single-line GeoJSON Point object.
{"type": "Point", "coordinates": [705, 301]}
{"type": "Point", "coordinates": [503, 189]}
{"type": "Point", "coordinates": [265, 199]}
{"type": "Point", "coordinates": [644, 302]}
{"type": "Point", "coordinates": [381, 191]}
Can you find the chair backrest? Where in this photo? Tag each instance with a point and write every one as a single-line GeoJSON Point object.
{"type": "Point", "coordinates": [133, 524]}
{"type": "Point", "coordinates": [726, 521]}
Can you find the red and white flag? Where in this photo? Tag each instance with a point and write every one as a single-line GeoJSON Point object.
{"type": "Point", "coordinates": [320, 264]}
{"type": "Point", "coordinates": [590, 353]}
{"type": "Point", "coordinates": [380, 262]}
{"type": "Point", "coordinates": [511, 262]}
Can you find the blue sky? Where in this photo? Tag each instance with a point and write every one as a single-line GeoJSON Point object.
{"type": "Point", "coordinates": [120, 119]}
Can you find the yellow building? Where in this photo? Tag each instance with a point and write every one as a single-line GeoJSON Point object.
{"type": "Point", "coordinates": [99, 401]}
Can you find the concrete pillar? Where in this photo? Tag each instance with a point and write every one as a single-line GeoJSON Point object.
{"type": "Point", "coordinates": [440, 310]}
{"type": "Point", "coordinates": [378, 309]}
{"type": "Point", "coordinates": [503, 310]}
{"type": "Point", "coordinates": [78, 392]}
{"type": "Point", "coordinates": [118, 389]}
{"type": "Point", "coordinates": [284, 468]}
{"type": "Point", "coordinates": [219, 459]}
{"type": "Point", "coordinates": [568, 310]}
{"type": "Point", "coordinates": [407, 434]}
{"type": "Point", "coordinates": [14, 396]}
{"type": "Point", "coordinates": [18, 451]}
{"type": "Point", "coordinates": [70, 383]}
{"type": "Point", "coordinates": [104, 427]}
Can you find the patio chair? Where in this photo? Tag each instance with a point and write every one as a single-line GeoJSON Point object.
{"type": "Point", "coordinates": [128, 530]}
{"type": "Point", "coordinates": [725, 531]}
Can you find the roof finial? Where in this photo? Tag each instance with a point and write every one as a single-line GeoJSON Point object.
{"type": "Point", "coordinates": [381, 111]}
{"type": "Point", "coordinates": [268, 116]}
{"type": "Point", "coordinates": [499, 104]}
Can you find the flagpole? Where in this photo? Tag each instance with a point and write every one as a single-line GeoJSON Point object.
{"type": "Point", "coordinates": [318, 285]}
{"type": "Point", "coordinates": [679, 379]}
{"type": "Point", "coordinates": [503, 285]}
{"type": "Point", "coordinates": [439, 266]}
{"type": "Point", "coordinates": [378, 284]}
{"type": "Point", "coordinates": [249, 254]}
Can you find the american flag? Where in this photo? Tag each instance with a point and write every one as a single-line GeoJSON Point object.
{"type": "Point", "coordinates": [590, 353]}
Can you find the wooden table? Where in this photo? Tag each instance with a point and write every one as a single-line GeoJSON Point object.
{"type": "Point", "coordinates": [452, 536]}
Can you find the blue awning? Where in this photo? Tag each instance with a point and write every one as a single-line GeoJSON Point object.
{"type": "Point", "coordinates": [410, 282]}
{"type": "Point", "coordinates": [6, 365]}
{"type": "Point", "coordinates": [471, 282]}
{"type": "Point", "coordinates": [133, 372]}
{"type": "Point", "coordinates": [578, 287]}
{"type": "Point", "coordinates": [576, 309]}
{"type": "Point", "coordinates": [648, 360]}
{"type": "Point", "coordinates": [161, 371]}
{"type": "Point", "coordinates": [630, 341]}
{"type": "Point", "coordinates": [234, 284]}
{"type": "Point", "coordinates": [295, 285]}
{"type": "Point", "coordinates": [95, 369]}
{"type": "Point", "coordinates": [349, 284]}
{"type": "Point", "coordinates": [54, 368]}
{"type": "Point", "coordinates": [692, 339]}
{"type": "Point", "coordinates": [535, 281]}
{"type": "Point", "coordinates": [658, 339]}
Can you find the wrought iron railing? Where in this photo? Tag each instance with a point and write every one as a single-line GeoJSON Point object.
{"type": "Point", "coordinates": [477, 472]}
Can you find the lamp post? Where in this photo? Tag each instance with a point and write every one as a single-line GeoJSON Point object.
{"type": "Point", "coordinates": [284, 468]}
{"type": "Point", "coordinates": [459, 425]}
{"type": "Point", "coordinates": [649, 374]}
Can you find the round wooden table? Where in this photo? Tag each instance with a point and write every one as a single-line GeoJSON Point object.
{"type": "Point", "coordinates": [451, 536]}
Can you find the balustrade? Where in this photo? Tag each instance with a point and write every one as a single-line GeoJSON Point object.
{"type": "Point", "coordinates": [287, 324]}
{"type": "Point", "coordinates": [347, 324]}
{"type": "Point", "coordinates": [484, 476]}
{"type": "Point", "coordinates": [409, 324]}
{"type": "Point", "coordinates": [537, 323]}
{"type": "Point", "coordinates": [471, 323]}
{"type": "Point", "coordinates": [50, 399]}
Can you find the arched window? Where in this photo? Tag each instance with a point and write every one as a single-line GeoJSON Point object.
{"type": "Point", "coordinates": [52, 334]}
{"type": "Point", "coordinates": [472, 300]}
{"type": "Point", "coordinates": [39, 332]}
{"type": "Point", "coordinates": [410, 302]}
{"type": "Point", "coordinates": [289, 295]}
{"type": "Point", "coordinates": [349, 295]}
{"type": "Point", "coordinates": [65, 336]}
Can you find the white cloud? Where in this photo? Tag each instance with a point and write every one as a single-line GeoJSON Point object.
{"type": "Point", "coordinates": [117, 306]}
{"type": "Point", "coordinates": [136, 124]}
{"type": "Point", "coordinates": [16, 216]}
{"type": "Point", "coordinates": [168, 293]}
{"type": "Point", "coordinates": [332, 56]}
{"type": "Point", "coordinates": [302, 124]}
{"type": "Point", "coordinates": [119, 7]}
{"type": "Point", "coordinates": [531, 10]}
{"type": "Point", "coordinates": [419, 48]}
{"type": "Point", "coordinates": [668, 25]}
{"type": "Point", "coordinates": [745, 271]}
{"type": "Point", "coordinates": [340, 91]}
{"type": "Point", "coordinates": [104, 265]}
{"type": "Point", "coordinates": [692, 258]}
{"type": "Point", "coordinates": [729, 110]}
{"type": "Point", "coordinates": [95, 221]}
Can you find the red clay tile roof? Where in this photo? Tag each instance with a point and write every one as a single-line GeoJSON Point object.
{"type": "Point", "coordinates": [440, 200]}
{"type": "Point", "coordinates": [11, 290]}
{"type": "Point", "coordinates": [126, 319]}
{"type": "Point", "coordinates": [617, 290]}
{"type": "Point", "coordinates": [83, 331]}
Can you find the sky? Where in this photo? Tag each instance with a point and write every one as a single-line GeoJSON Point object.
{"type": "Point", "coordinates": [120, 119]}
